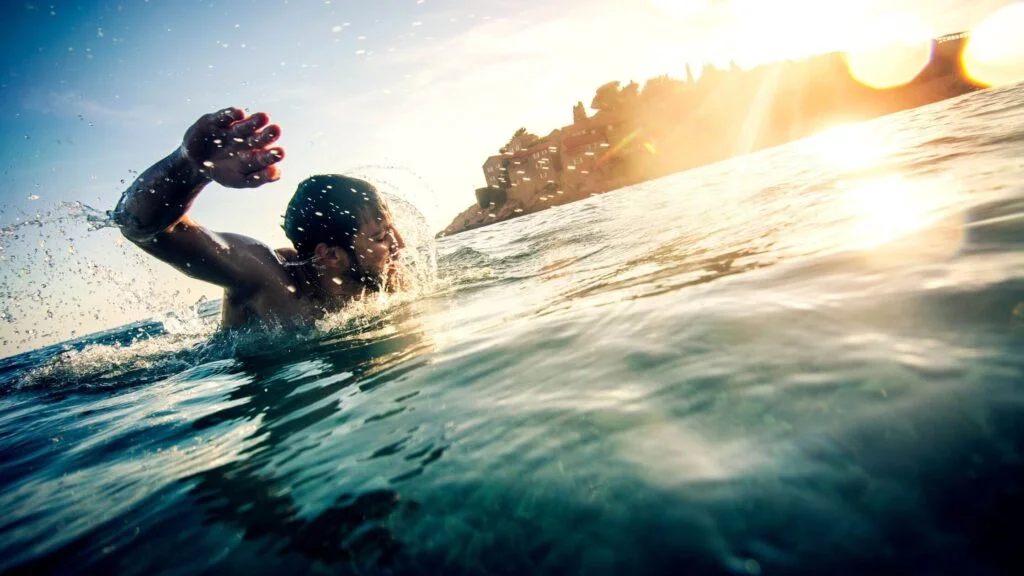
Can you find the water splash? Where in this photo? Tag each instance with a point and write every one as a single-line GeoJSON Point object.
{"type": "Point", "coordinates": [413, 204]}
{"type": "Point", "coordinates": [64, 213]}
{"type": "Point", "coordinates": [62, 277]}
{"type": "Point", "coordinates": [54, 253]}
{"type": "Point", "coordinates": [370, 308]}
{"type": "Point", "coordinates": [418, 193]}
{"type": "Point", "coordinates": [107, 367]}
{"type": "Point", "coordinates": [190, 340]}
{"type": "Point", "coordinates": [298, 263]}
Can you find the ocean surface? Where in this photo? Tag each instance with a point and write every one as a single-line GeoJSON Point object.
{"type": "Point", "coordinates": [807, 360]}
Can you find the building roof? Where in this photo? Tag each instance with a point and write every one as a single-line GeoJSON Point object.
{"type": "Point", "coordinates": [541, 146]}
{"type": "Point", "coordinates": [579, 141]}
{"type": "Point", "coordinates": [492, 159]}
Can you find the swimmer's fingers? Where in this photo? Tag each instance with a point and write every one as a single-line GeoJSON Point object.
{"type": "Point", "coordinates": [399, 241]}
{"type": "Point", "coordinates": [245, 128]}
{"type": "Point", "coordinates": [259, 159]}
{"type": "Point", "coordinates": [265, 137]}
{"type": "Point", "coordinates": [224, 118]}
{"type": "Point", "coordinates": [268, 174]}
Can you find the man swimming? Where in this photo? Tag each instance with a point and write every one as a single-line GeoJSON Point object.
{"type": "Point", "coordinates": [344, 240]}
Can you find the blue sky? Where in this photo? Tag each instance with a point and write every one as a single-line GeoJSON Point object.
{"type": "Point", "coordinates": [411, 93]}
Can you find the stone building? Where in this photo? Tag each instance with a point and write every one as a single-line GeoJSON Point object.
{"type": "Point", "coordinates": [568, 158]}
{"type": "Point", "coordinates": [494, 172]}
{"type": "Point", "coordinates": [532, 169]}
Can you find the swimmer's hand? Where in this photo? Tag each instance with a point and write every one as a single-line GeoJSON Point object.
{"type": "Point", "coordinates": [398, 279]}
{"type": "Point", "coordinates": [231, 148]}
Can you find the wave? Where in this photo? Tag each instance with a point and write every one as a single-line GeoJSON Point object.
{"type": "Point", "coordinates": [1004, 139]}
{"type": "Point", "coordinates": [119, 358]}
{"type": "Point", "coordinates": [947, 141]}
{"type": "Point", "coordinates": [465, 256]}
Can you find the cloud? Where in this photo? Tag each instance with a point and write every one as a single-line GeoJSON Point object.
{"type": "Point", "coordinates": [72, 104]}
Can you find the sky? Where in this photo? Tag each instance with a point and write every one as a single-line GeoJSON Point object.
{"type": "Point", "coordinates": [412, 94]}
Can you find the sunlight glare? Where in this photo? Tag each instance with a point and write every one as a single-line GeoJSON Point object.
{"type": "Point", "coordinates": [892, 52]}
{"type": "Point", "coordinates": [679, 8]}
{"type": "Point", "coordinates": [786, 29]}
{"type": "Point", "coordinates": [994, 55]}
{"type": "Point", "coordinates": [885, 209]}
{"type": "Point", "coordinates": [851, 147]}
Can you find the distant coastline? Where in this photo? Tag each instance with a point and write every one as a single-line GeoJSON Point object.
{"type": "Point", "coordinates": [671, 125]}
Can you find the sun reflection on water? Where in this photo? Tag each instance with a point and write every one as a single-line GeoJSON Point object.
{"type": "Point", "coordinates": [915, 215]}
{"type": "Point", "coordinates": [884, 209]}
{"type": "Point", "coordinates": [850, 147]}
{"type": "Point", "coordinates": [881, 208]}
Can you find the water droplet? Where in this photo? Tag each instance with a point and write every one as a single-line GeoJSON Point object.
{"type": "Point", "coordinates": [291, 289]}
{"type": "Point", "coordinates": [208, 164]}
{"type": "Point", "coordinates": [33, 196]}
{"type": "Point", "coordinates": [336, 280]}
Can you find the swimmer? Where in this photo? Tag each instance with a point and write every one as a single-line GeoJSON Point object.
{"type": "Point", "coordinates": [344, 242]}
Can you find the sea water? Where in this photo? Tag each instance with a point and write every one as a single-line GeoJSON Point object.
{"type": "Point", "coordinates": [806, 360]}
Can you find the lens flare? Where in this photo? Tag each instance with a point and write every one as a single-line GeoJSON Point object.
{"type": "Point", "coordinates": [892, 52]}
{"type": "Point", "coordinates": [994, 55]}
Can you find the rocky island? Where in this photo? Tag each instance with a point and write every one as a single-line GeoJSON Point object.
{"type": "Point", "coordinates": [669, 125]}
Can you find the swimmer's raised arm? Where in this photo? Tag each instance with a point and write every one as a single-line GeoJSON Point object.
{"type": "Point", "coordinates": [226, 147]}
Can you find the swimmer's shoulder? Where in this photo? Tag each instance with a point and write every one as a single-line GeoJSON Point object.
{"type": "Point", "coordinates": [299, 273]}
{"type": "Point", "coordinates": [243, 309]}
{"type": "Point", "coordinates": [288, 254]}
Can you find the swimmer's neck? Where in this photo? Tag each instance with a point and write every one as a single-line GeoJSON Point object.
{"type": "Point", "coordinates": [333, 289]}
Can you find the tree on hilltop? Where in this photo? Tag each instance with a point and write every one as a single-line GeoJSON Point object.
{"type": "Point", "coordinates": [629, 95]}
{"type": "Point", "coordinates": [523, 136]}
{"type": "Point", "coordinates": [614, 96]}
{"type": "Point", "coordinates": [607, 97]}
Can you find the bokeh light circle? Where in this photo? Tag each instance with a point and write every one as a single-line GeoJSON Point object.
{"type": "Point", "coordinates": [994, 55]}
{"type": "Point", "coordinates": [891, 52]}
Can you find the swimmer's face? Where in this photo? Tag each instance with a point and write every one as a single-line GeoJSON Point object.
{"type": "Point", "coordinates": [377, 246]}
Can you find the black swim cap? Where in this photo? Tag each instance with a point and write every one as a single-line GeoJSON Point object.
{"type": "Point", "coordinates": [329, 208]}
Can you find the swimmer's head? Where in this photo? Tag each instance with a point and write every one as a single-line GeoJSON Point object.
{"type": "Point", "coordinates": [345, 223]}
